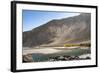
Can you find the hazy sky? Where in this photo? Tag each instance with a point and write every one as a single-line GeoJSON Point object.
{"type": "Point", "coordinates": [32, 18]}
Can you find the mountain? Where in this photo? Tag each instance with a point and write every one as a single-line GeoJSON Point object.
{"type": "Point", "coordinates": [59, 32]}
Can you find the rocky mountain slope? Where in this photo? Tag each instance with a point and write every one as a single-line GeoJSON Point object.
{"type": "Point", "coordinates": [58, 32]}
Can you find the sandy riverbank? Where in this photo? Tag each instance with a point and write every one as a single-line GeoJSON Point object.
{"type": "Point", "coordinates": [43, 51]}
{"type": "Point", "coordinates": [47, 50]}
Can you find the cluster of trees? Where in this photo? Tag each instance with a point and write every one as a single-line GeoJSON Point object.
{"type": "Point", "coordinates": [69, 45]}
{"type": "Point", "coordinates": [81, 44]}
{"type": "Point", "coordinates": [85, 44]}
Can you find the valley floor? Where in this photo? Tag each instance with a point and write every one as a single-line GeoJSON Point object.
{"type": "Point", "coordinates": [49, 50]}
{"type": "Point", "coordinates": [39, 54]}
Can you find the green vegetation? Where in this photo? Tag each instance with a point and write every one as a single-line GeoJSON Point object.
{"type": "Point", "coordinates": [70, 45]}
{"type": "Point", "coordinates": [81, 44]}
{"type": "Point", "coordinates": [85, 44]}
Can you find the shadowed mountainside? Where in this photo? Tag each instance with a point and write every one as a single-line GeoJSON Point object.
{"type": "Point", "coordinates": [58, 32]}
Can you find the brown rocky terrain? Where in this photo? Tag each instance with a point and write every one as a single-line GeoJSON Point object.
{"type": "Point", "coordinates": [59, 32]}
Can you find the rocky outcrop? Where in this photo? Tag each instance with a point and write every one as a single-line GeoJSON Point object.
{"type": "Point", "coordinates": [27, 58]}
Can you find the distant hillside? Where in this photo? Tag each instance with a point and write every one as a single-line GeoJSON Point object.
{"type": "Point", "coordinates": [58, 32]}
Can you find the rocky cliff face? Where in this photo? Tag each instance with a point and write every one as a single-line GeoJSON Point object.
{"type": "Point", "coordinates": [58, 32]}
